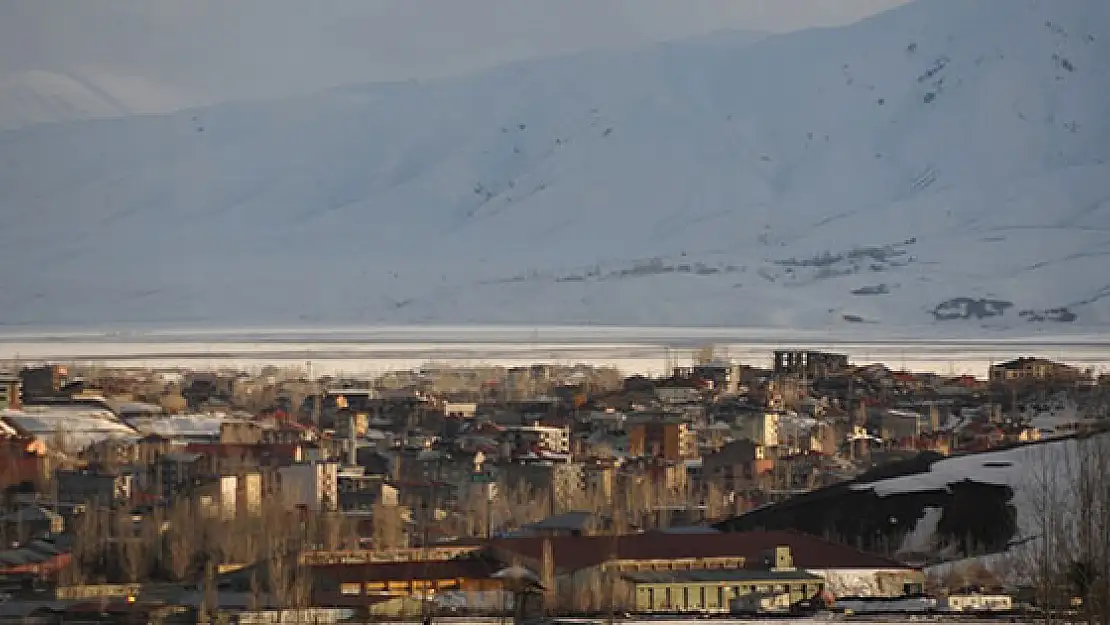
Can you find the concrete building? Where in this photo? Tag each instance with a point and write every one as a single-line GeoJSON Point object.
{"type": "Point", "coordinates": [314, 486]}
{"type": "Point", "coordinates": [10, 388]}
{"type": "Point", "coordinates": [1034, 370]}
{"type": "Point", "coordinates": [763, 429]}
{"type": "Point", "coordinates": [809, 364]}
{"type": "Point", "coordinates": [669, 440]}
{"type": "Point", "coordinates": [554, 439]}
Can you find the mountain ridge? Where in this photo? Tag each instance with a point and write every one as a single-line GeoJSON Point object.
{"type": "Point", "coordinates": [935, 162]}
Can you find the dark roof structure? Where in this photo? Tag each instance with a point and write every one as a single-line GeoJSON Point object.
{"type": "Point", "coordinates": [576, 552]}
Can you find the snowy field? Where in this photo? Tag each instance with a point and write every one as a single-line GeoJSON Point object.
{"type": "Point", "coordinates": [943, 165]}
{"type": "Point", "coordinates": [633, 350]}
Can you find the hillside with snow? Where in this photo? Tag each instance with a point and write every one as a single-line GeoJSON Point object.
{"type": "Point", "coordinates": [937, 166]}
{"type": "Point", "coordinates": [934, 509]}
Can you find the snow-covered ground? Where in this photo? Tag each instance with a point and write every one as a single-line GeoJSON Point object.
{"type": "Point", "coordinates": [633, 350]}
{"type": "Point", "coordinates": [1028, 470]}
{"type": "Point", "coordinates": [946, 158]}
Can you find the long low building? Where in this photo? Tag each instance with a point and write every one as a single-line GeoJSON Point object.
{"type": "Point", "coordinates": [647, 572]}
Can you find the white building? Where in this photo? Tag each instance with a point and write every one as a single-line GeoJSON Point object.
{"type": "Point", "coordinates": [314, 486]}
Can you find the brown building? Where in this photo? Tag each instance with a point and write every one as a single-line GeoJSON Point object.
{"type": "Point", "coordinates": [809, 364]}
{"type": "Point", "coordinates": [362, 584]}
{"type": "Point", "coordinates": [736, 465]}
{"type": "Point", "coordinates": [9, 392]}
{"type": "Point", "coordinates": [670, 440]}
{"type": "Point", "coordinates": [1033, 369]}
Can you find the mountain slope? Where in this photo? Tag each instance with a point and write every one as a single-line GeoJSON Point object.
{"type": "Point", "coordinates": [933, 509]}
{"type": "Point", "coordinates": [940, 161]}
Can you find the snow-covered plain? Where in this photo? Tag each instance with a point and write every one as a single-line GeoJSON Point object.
{"type": "Point", "coordinates": [824, 179]}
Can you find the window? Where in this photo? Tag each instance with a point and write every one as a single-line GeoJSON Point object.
{"type": "Point", "coordinates": [701, 591]}
{"type": "Point", "coordinates": [350, 589]}
{"type": "Point", "coordinates": [721, 596]}
{"type": "Point", "coordinates": [686, 597]}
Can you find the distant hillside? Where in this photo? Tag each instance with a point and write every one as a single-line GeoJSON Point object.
{"type": "Point", "coordinates": [930, 508]}
{"type": "Point", "coordinates": [942, 163]}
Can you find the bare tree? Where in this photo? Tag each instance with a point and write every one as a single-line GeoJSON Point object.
{"type": "Point", "coordinates": [1066, 552]}
{"type": "Point", "coordinates": [388, 528]}
{"type": "Point", "coordinates": [131, 549]}
{"type": "Point", "coordinates": [181, 541]}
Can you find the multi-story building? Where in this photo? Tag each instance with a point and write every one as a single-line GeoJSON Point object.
{"type": "Point", "coordinates": [314, 486]}
{"type": "Point", "coordinates": [670, 440]}
{"type": "Point", "coordinates": [1033, 369]}
{"type": "Point", "coordinates": [44, 381]}
{"type": "Point", "coordinates": [809, 364]}
{"type": "Point", "coordinates": [553, 439]}
{"type": "Point", "coordinates": [763, 428]}
{"type": "Point", "coordinates": [92, 487]}
{"type": "Point", "coordinates": [9, 392]}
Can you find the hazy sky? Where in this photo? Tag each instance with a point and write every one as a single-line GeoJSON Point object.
{"type": "Point", "coordinates": [155, 54]}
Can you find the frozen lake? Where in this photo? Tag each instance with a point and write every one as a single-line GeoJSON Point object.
{"type": "Point", "coordinates": [647, 350]}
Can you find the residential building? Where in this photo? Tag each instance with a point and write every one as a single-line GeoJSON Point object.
{"type": "Point", "coordinates": [44, 381]}
{"type": "Point", "coordinates": [92, 487]}
{"type": "Point", "coordinates": [1033, 369]}
{"type": "Point", "coordinates": [313, 486]}
{"type": "Point", "coordinates": [670, 440]}
{"type": "Point", "coordinates": [762, 428]}
{"type": "Point", "coordinates": [10, 390]}
{"type": "Point", "coordinates": [737, 464]}
{"type": "Point", "coordinates": [31, 522]}
{"type": "Point", "coordinates": [553, 439]}
{"type": "Point", "coordinates": [809, 364]}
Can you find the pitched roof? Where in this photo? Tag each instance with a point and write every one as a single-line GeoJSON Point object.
{"type": "Point", "coordinates": [576, 552]}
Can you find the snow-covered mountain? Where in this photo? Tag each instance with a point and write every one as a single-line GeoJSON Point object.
{"type": "Point", "coordinates": [941, 164]}
{"type": "Point", "coordinates": [36, 97]}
